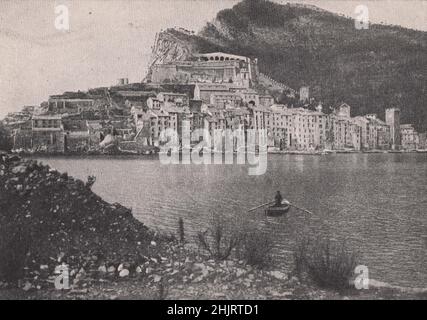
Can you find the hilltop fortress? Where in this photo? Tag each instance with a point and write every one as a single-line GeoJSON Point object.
{"type": "Point", "coordinates": [217, 67]}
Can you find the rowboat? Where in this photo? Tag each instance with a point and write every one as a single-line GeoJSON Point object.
{"type": "Point", "coordinates": [275, 211]}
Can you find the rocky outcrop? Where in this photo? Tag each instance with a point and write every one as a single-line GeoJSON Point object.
{"type": "Point", "coordinates": [49, 219]}
{"type": "Point", "coordinates": [170, 45]}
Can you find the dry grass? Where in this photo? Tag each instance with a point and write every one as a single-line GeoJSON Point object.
{"type": "Point", "coordinates": [329, 264]}
{"type": "Point", "coordinates": [225, 238]}
{"type": "Point", "coordinates": [181, 230]}
{"type": "Point", "coordinates": [220, 239]}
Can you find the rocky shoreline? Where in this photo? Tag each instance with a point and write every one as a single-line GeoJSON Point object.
{"type": "Point", "coordinates": [51, 222]}
{"type": "Point", "coordinates": [178, 273]}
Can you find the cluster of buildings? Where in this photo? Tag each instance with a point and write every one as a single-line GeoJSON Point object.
{"type": "Point", "coordinates": [213, 91]}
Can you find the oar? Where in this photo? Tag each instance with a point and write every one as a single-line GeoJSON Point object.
{"type": "Point", "coordinates": [302, 209]}
{"type": "Point", "coordinates": [262, 205]}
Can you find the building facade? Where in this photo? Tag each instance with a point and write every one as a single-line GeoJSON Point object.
{"type": "Point", "coordinates": [48, 134]}
{"type": "Point", "coordinates": [409, 136]}
{"type": "Point", "coordinates": [392, 119]}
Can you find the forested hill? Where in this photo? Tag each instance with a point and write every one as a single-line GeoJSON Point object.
{"type": "Point", "coordinates": [371, 69]}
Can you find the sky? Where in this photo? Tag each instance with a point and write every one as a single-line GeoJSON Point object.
{"type": "Point", "coordinates": [112, 39]}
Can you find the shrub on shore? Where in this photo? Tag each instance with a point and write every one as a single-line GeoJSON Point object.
{"type": "Point", "coordinates": [300, 256]}
{"type": "Point", "coordinates": [224, 238]}
{"type": "Point", "coordinates": [256, 248]}
{"type": "Point", "coordinates": [219, 240]}
{"type": "Point", "coordinates": [329, 264]}
{"type": "Point", "coordinates": [181, 230]}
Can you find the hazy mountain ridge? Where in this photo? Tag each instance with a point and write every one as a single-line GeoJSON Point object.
{"type": "Point", "coordinates": [301, 45]}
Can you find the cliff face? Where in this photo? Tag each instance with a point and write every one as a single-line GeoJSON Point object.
{"type": "Point", "coordinates": [170, 45]}
{"type": "Point", "coordinates": [304, 46]}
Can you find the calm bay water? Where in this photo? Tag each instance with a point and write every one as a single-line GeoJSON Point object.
{"type": "Point", "coordinates": [377, 203]}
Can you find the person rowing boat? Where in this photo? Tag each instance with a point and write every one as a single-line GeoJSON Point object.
{"type": "Point", "coordinates": [279, 207]}
{"type": "Point", "coordinates": [278, 199]}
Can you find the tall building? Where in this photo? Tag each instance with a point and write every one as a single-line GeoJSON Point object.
{"type": "Point", "coordinates": [392, 118]}
{"type": "Point", "coordinates": [363, 123]}
{"type": "Point", "coordinates": [409, 136]}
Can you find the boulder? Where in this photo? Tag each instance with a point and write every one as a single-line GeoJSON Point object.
{"type": "Point", "coordinates": [124, 273]}
{"type": "Point", "coordinates": [278, 275]}
{"type": "Point", "coordinates": [19, 169]}
{"type": "Point", "coordinates": [27, 286]}
{"type": "Point", "coordinates": [148, 270]}
{"type": "Point", "coordinates": [102, 269]}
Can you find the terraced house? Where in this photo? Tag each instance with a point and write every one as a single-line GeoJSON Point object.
{"type": "Point", "coordinates": [409, 136]}
{"type": "Point", "coordinates": [47, 134]}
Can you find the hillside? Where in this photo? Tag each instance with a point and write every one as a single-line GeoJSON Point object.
{"type": "Point", "coordinates": [299, 45]}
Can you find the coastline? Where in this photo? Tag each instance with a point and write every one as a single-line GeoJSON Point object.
{"type": "Point", "coordinates": [155, 155]}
